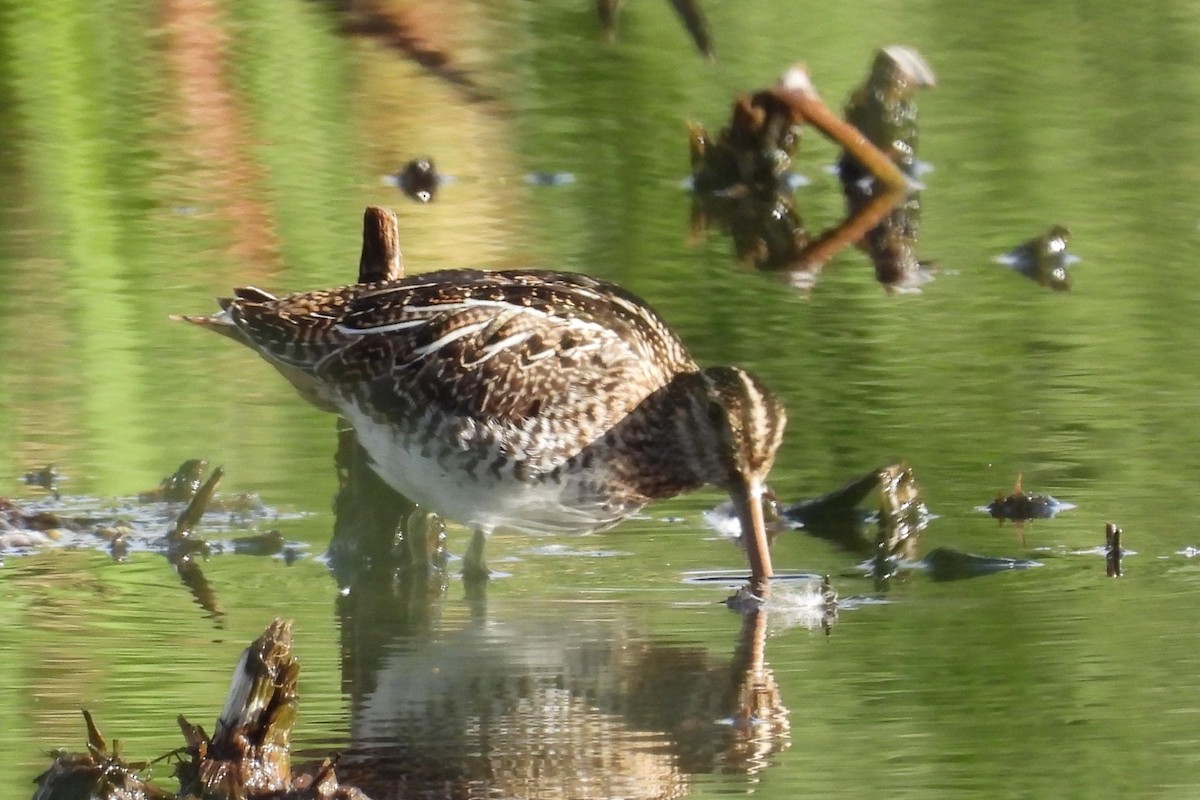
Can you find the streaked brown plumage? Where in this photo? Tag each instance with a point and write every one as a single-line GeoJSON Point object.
{"type": "Point", "coordinates": [540, 401]}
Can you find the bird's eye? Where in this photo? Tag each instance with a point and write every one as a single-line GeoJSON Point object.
{"type": "Point", "coordinates": [716, 412]}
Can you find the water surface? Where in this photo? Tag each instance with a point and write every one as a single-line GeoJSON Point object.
{"type": "Point", "coordinates": [156, 156]}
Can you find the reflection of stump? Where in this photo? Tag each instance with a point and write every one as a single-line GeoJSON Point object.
{"type": "Point", "coordinates": [371, 518]}
{"type": "Point", "coordinates": [368, 514]}
{"type": "Point", "coordinates": [884, 109]}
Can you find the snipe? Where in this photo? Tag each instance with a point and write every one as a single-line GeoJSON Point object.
{"type": "Point", "coordinates": [539, 401]}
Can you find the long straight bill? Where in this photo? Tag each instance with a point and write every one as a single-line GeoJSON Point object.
{"type": "Point", "coordinates": [748, 502]}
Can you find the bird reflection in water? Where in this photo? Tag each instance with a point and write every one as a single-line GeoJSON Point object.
{"type": "Point", "coordinates": [521, 702]}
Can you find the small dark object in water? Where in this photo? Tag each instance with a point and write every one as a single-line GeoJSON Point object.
{"type": "Point", "coordinates": [118, 546]}
{"type": "Point", "coordinates": [179, 487]}
{"type": "Point", "coordinates": [418, 179]}
{"type": "Point", "coordinates": [263, 544]}
{"type": "Point", "coordinates": [1019, 506]}
{"type": "Point", "coordinates": [12, 517]}
{"type": "Point", "coordinates": [944, 564]}
{"type": "Point", "coordinates": [549, 178]}
{"type": "Point", "coordinates": [766, 230]}
{"type": "Point", "coordinates": [46, 478]}
{"type": "Point", "coordinates": [903, 516]}
{"type": "Point", "coordinates": [1112, 549]}
{"type": "Point", "coordinates": [1043, 259]}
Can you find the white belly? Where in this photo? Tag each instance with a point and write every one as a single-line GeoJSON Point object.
{"type": "Point", "coordinates": [486, 501]}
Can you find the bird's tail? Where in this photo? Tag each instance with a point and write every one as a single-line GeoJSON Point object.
{"type": "Point", "coordinates": [222, 322]}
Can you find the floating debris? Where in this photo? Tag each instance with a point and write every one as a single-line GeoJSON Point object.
{"type": "Point", "coordinates": [945, 564]}
{"type": "Point", "coordinates": [261, 544]}
{"type": "Point", "coordinates": [550, 178]}
{"type": "Point", "coordinates": [180, 539]}
{"type": "Point", "coordinates": [247, 758]}
{"type": "Point", "coordinates": [752, 152]}
{"type": "Point", "coordinates": [903, 516]}
{"type": "Point", "coordinates": [884, 109]}
{"type": "Point", "coordinates": [766, 230]}
{"type": "Point", "coordinates": [124, 525]}
{"type": "Point", "coordinates": [418, 180]}
{"type": "Point", "coordinates": [1020, 507]}
{"type": "Point", "coordinates": [47, 477]}
{"type": "Point", "coordinates": [1043, 259]}
{"type": "Point", "coordinates": [1112, 549]}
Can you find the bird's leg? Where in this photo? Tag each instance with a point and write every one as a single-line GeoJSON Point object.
{"type": "Point", "coordinates": [474, 568]}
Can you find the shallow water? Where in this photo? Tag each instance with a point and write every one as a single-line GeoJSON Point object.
{"type": "Point", "coordinates": [156, 157]}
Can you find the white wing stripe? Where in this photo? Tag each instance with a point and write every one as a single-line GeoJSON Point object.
{"type": "Point", "coordinates": [452, 336]}
{"type": "Point", "coordinates": [389, 328]}
{"type": "Point", "coordinates": [496, 347]}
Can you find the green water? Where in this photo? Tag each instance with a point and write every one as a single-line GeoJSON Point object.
{"type": "Point", "coordinates": [155, 156]}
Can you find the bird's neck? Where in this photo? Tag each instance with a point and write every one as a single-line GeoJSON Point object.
{"type": "Point", "coordinates": [667, 442]}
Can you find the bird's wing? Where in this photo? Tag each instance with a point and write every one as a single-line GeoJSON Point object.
{"type": "Point", "coordinates": [505, 346]}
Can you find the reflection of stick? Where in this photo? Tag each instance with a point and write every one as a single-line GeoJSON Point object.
{"type": "Point", "coordinates": [796, 89]}
{"type": "Point", "coordinates": [193, 578]}
{"type": "Point", "coordinates": [850, 231]}
{"type": "Point", "coordinates": [187, 520]}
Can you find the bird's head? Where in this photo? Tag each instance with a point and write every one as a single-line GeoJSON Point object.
{"type": "Point", "coordinates": [736, 426]}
